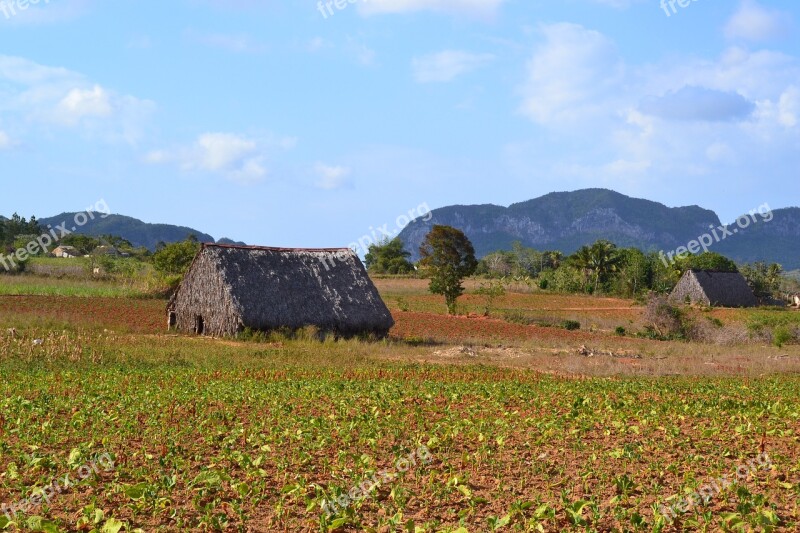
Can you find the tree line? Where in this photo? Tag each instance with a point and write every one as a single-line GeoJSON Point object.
{"type": "Point", "coordinates": [447, 257]}
{"type": "Point", "coordinates": [169, 260]}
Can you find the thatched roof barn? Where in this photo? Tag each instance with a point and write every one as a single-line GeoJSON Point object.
{"type": "Point", "coordinates": [719, 289]}
{"type": "Point", "coordinates": [228, 288]}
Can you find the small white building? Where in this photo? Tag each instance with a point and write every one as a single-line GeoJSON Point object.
{"type": "Point", "coordinates": [69, 252]}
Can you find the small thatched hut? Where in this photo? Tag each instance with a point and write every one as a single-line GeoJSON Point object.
{"type": "Point", "coordinates": [719, 289]}
{"type": "Point", "coordinates": [228, 288]}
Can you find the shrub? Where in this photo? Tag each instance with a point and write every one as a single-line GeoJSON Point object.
{"type": "Point", "coordinates": [620, 331]}
{"type": "Point", "coordinates": [175, 259]}
{"type": "Point", "coordinates": [781, 335]}
{"type": "Point", "coordinates": [251, 335]}
{"type": "Point", "coordinates": [667, 321]}
{"type": "Point", "coordinates": [518, 317]}
{"type": "Point", "coordinates": [416, 341]}
{"type": "Point", "coordinates": [566, 279]}
{"type": "Point", "coordinates": [310, 333]}
{"type": "Point", "coordinates": [491, 291]}
{"type": "Point", "coordinates": [402, 304]}
{"type": "Point", "coordinates": [571, 325]}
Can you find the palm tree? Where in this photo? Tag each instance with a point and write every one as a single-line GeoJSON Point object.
{"type": "Point", "coordinates": [599, 260]}
{"type": "Point", "coordinates": [607, 260]}
{"type": "Point", "coordinates": [582, 260]}
{"type": "Point", "coordinates": [552, 259]}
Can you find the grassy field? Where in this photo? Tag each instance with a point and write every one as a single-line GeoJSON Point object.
{"type": "Point", "coordinates": [451, 424]}
{"type": "Point", "coordinates": [39, 286]}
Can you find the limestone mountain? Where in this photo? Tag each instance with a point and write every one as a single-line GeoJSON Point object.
{"type": "Point", "coordinates": [566, 221]}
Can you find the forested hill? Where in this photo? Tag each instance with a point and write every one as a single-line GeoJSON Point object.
{"type": "Point", "coordinates": [566, 221]}
{"type": "Point", "coordinates": [131, 229]}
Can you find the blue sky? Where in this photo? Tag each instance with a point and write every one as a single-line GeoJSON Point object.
{"type": "Point", "coordinates": [269, 122]}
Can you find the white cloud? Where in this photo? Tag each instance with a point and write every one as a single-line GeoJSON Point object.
{"type": "Point", "coordinates": [158, 157]}
{"type": "Point", "coordinates": [53, 96]}
{"type": "Point", "coordinates": [571, 75]}
{"type": "Point", "coordinates": [235, 157]}
{"type": "Point", "coordinates": [5, 140]}
{"type": "Point", "coordinates": [789, 107]}
{"type": "Point", "coordinates": [447, 65]}
{"type": "Point", "coordinates": [331, 177]}
{"type": "Point", "coordinates": [223, 150]}
{"type": "Point", "coordinates": [46, 12]}
{"type": "Point", "coordinates": [753, 22]}
{"type": "Point", "coordinates": [350, 46]}
{"type": "Point", "coordinates": [481, 8]}
{"type": "Point", "coordinates": [655, 128]}
{"type": "Point", "coordinates": [251, 171]}
{"type": "Point", "coordinates": [80, 103]}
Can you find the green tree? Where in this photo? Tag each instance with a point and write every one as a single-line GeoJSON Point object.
{"type": "Point", "coordinates": [634, 273]}
{"type": "Point", "coordinates": [388, 257]}
{"type": "Point", "coordinates": [175, 259]}
{"type": "Point", "coordinates": [17, 225]}
{"type": "Point", "coordinates": [664, 276]}
{"type": "Point", "coordinates": [551, 259]}
{"type": "Point", "coordinates": [706, 261]}
{"type": "Point", "coordinates": [765, 280]}
{"type": "Point", "coordinates": [597, 261]}
{"type": "Point", "coordinates": [449, 257]}
{"type": "Point", "coordinates": [566, 278]}
{"type": "Point", "coordinates": [528, 261]}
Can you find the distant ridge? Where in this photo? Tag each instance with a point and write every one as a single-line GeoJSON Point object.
{"type": "Point", "coordinates": [566, 221]}
{"type": "Point", "coordinates": [226, 240]}
{"type": "Point", "coordinates": [131, 229]}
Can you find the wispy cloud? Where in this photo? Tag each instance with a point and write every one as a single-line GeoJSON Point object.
{"type": "Point", "coordinates": [447, 65]}
{"type": "Point", "coordinates": [54, 96]}
{"type": "Point", "coordinates": [480, 8]}
{"type": "Point", "coordinates": [42, 12]}
{"type": "Point", "coordinates": [649, 125]}
{"type": "Point", "coordinates": [5, 140]}
{"type": "Point", "coordinates": [363, 53]}
{"type": "Point", "coordinates": [570, 75]}
{"type": "Point", "coordinates": [236, 157]}
{"type": "Point", "coordinates": [331, 177]}
{"type": "Point", "coordinates": [83, 103]}
{"type": "Point", "coordinates": [754, 22]}
{"type": "Point", "coordinates": [317, 43]}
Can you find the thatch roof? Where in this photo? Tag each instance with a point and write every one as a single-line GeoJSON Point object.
{"type": "Point", "coordinates": [721, 289]}
{"type": "Point", "coordinates": [105, 250]}
{"type": "Point", "coordinates": [268, 288]}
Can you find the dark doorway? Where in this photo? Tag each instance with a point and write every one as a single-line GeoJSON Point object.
{"type": "Point", "coordinates": [172, 321]}
{"type": "Point", "coordinates": [199, 326]}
